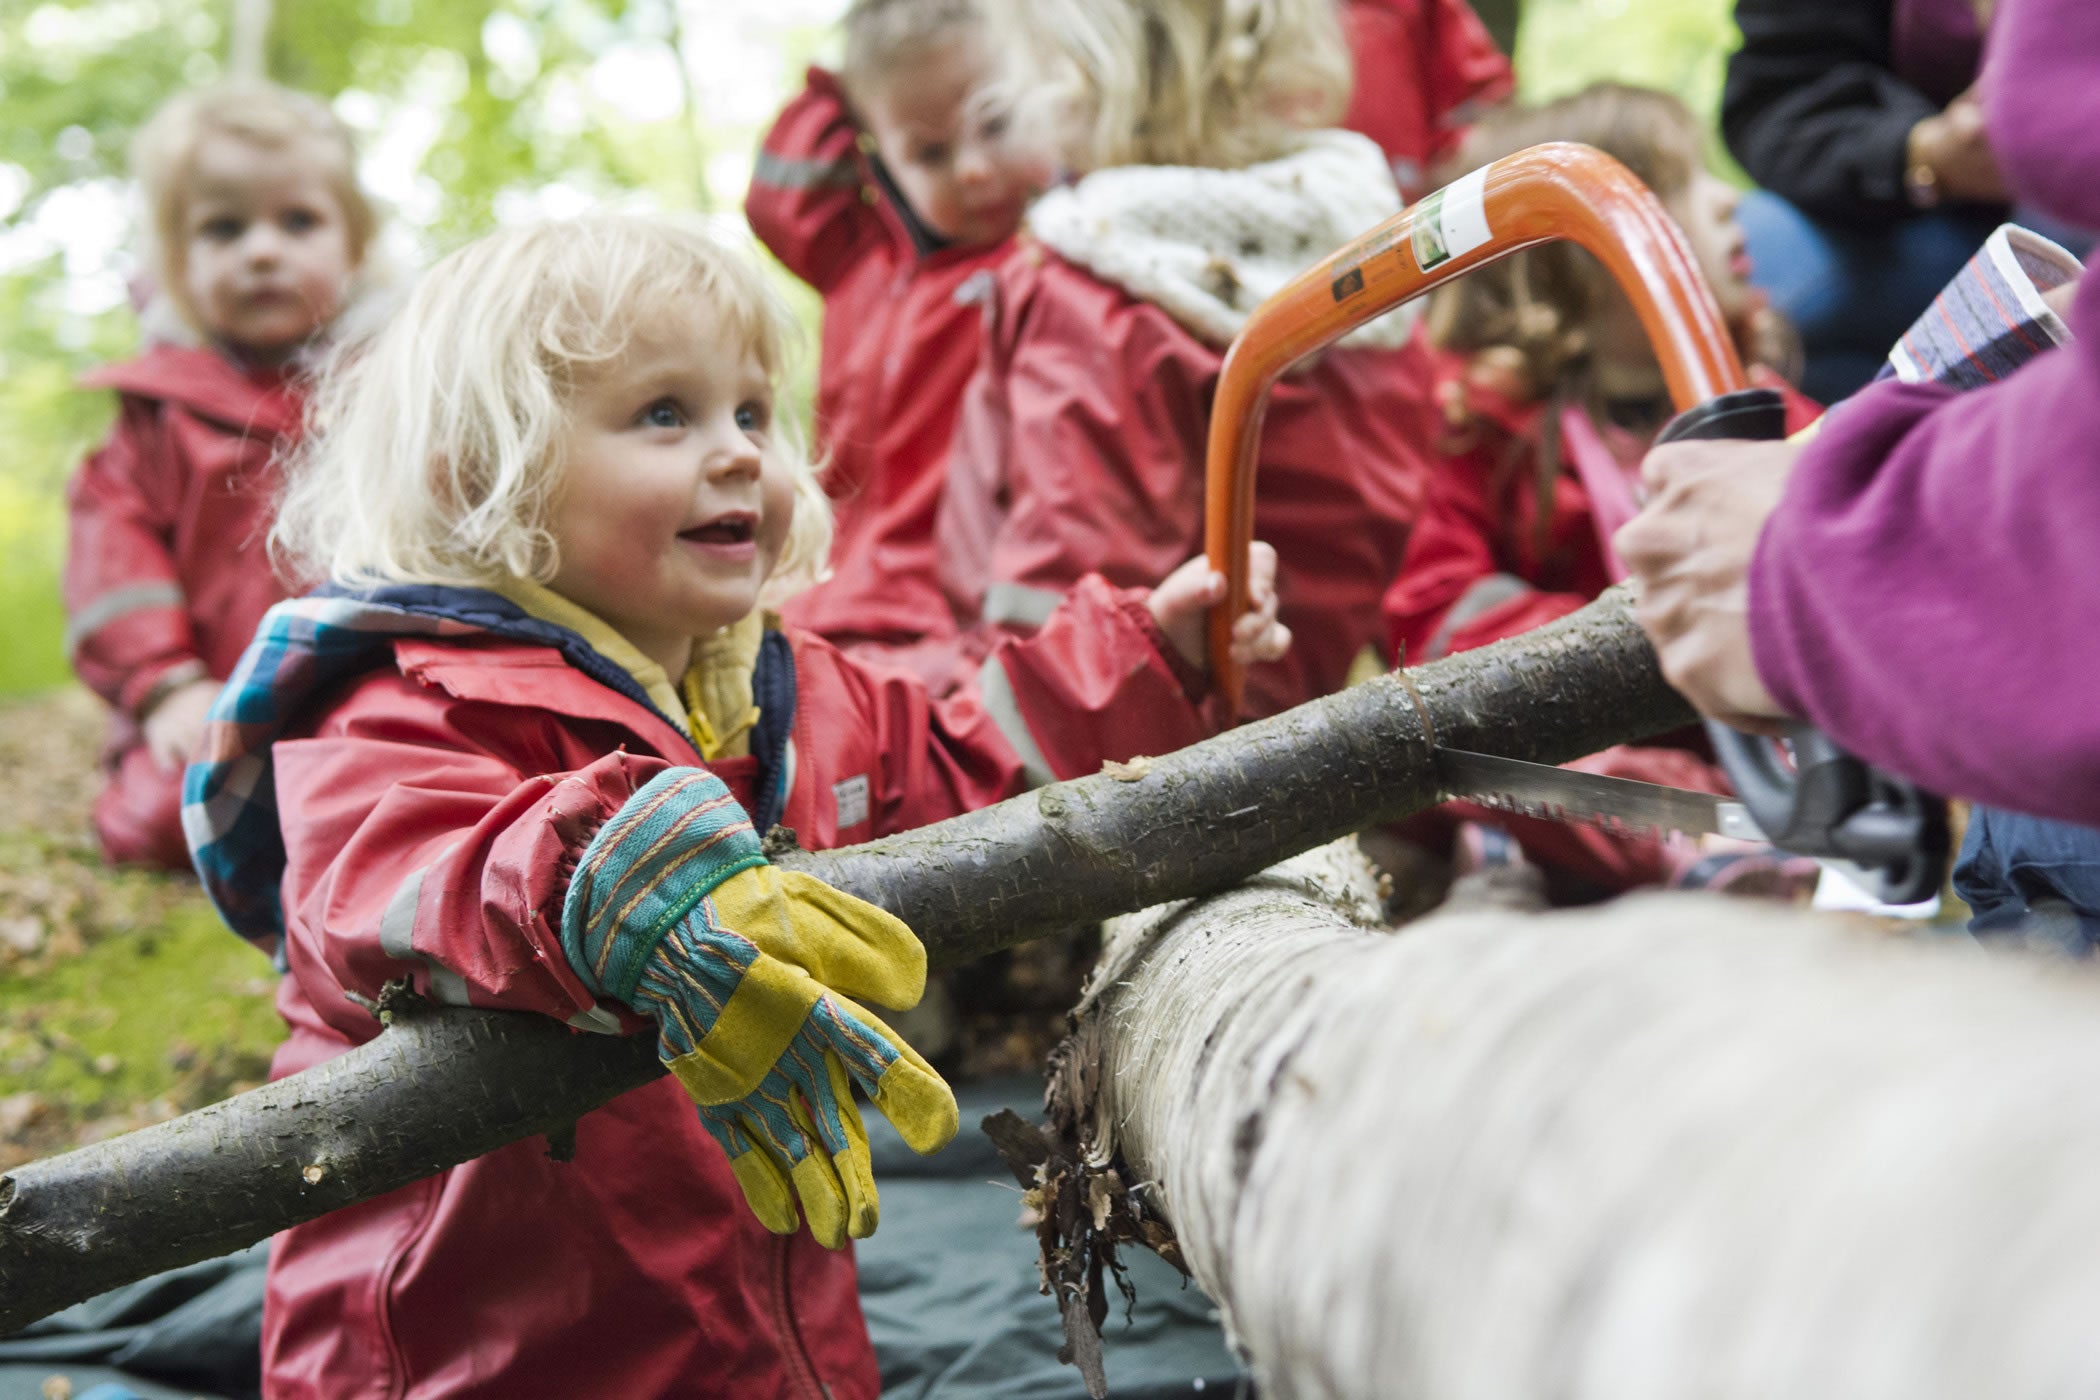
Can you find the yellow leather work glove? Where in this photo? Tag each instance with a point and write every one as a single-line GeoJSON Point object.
{"type": "Point", "coordinates": [748, 970]}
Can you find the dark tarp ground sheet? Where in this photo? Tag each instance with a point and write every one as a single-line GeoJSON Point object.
{"type": "Point", "coordinates": [948, 1284]}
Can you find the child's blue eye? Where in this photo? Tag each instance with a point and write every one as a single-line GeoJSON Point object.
{"type": "Point", "coordinates": [221, 230]}
{"type": "Point", "coordinates": [752, 417]}
{"type": "Point", "coordinates": [663, 414]}
{"type": "Point", "coordinates": [299, 220]}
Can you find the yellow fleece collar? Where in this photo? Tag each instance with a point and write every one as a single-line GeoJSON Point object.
{"type": "Point", "coordinates": [717, 688]}
{"type": "Point", "coordinates": [714, 695]}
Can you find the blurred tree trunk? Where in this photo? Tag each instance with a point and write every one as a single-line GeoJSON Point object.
{"type": "Point", "coordinates": [251, 40]}
{"type": "Point", "coordinates": [1500, 16]}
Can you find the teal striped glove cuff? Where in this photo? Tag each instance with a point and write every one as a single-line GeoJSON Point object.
{"type": "Point", "coordinates": [666, 849]}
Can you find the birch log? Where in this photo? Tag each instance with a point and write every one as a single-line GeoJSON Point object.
{"type": "Point", "coordinates": [1673, 1146]}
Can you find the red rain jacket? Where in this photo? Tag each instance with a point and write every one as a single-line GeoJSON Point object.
{"type": "Point", "coordinates": [1424, 70]}
{"type": "Point", "coordinates": [1081, 450]}
{"type": "Point", "coordinates": [167, 570]}
{"type": "Point", "coordinates": [902, 323]}
{"type": "Point", "coordinates": [440, 805]}
{"type": "Point", "coordinates": [1484, 565]}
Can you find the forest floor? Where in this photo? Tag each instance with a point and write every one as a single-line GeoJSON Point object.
{"type": "Point", "coordinates": [123, 999]}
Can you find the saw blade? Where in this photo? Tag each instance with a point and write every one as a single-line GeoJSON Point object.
{"type": "Point", "coordinates": [1621, 806]}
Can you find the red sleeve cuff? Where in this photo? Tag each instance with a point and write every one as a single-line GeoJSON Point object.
{"type": "Point", "coordinates": [1133, 605]}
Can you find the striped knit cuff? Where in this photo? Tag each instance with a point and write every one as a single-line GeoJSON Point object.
{"type": "Point", "coordinates": [664, 851]}
{"type": "Point", "coordinates": [1991, 318]}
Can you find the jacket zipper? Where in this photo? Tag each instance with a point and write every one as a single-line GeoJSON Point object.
{"type": "Point", "coordinates": [799, 1360]}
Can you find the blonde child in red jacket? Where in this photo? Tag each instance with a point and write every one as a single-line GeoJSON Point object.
{"type": "Point", "coordinates": [520, 751]}
{"type": "Point", "coordinates": [1206, 176]}
{"type": "Point", "coordinates": [887, 187]}
{"type": "Point", "coordinates": [891, 187]}
{"type": "Point", "coordinates": [259, 231]}
{"type": "Point", "coordinates": [1550, 395]}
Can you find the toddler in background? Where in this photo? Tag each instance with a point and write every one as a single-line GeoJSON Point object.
{"type": "Point", "coordinates": [1206, 178]}
{"type": "Point", "coordinates": [1550, 395]}
{"type": "Point", "coordinates": [887, 189]}
{"type": "Point", "coordinates": [258, 232]}
{"type": "Point", "coordinates": [521, 749]}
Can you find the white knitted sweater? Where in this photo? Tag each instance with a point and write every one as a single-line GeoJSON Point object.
{"type": "Point", "coordinates": [1208, 246]}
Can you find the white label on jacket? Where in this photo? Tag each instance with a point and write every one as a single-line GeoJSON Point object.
{"type": "Point", "coordinates": [852, 795]}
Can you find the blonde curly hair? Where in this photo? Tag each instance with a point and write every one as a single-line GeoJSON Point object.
{"type": "Point", "coordinates": [880, 34]}
{"type": "Point", "coordinates": [433, 447]}
{"type": "Point", "coordinates": [1219, 83]}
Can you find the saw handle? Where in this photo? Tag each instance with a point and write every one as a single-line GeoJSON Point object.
{"type": "Point", "coordinates": [1825, 803]}
{"type": "Point", "coordinates": [1556, 191]}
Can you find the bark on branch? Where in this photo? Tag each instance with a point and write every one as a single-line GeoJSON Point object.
{"type": "Point", "coordinates": [1672, 1146]}
{"type": "Point", "coordinates": [440, 1088]}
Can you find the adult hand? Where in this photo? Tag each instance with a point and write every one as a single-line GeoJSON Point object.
{"type": "Point", "coordinates": [1955, 148]}
{"type": "Point", "coordinates": [1690, 550]}
{"type": "Point", "coordinates": [174, 726]}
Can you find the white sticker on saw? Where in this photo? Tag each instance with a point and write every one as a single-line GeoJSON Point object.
{"type": "Point", "coordinates": [1463, 220]}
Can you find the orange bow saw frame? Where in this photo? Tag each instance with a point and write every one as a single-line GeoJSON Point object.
{"type": "Point", "coordinates": [1546, 193]}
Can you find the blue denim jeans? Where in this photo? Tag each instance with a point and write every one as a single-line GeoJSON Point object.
{"type": "Point", "coordinates": [2031, 876]}
{"type": "Point", "coordinates": [1851, 294]}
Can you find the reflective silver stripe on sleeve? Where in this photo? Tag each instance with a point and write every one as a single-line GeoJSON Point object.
{"type": "Point", "coordinates": [788, 173]}
{"type": "Point", "coordinates": [1017, 602]}
{"type": "Point", "coordinates": [397, 924]}
{"type": "Point", "coordinates": [997, 693]}
{"type": "Point", "coordinates": [118, 602]}
{"type": "Point", "coordinates": [1490, 592]}
{"type": "Point", "coordinates": [396, 940]}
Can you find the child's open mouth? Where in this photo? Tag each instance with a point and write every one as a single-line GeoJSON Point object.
{"type": "Point", "coordinates": [736, 533]}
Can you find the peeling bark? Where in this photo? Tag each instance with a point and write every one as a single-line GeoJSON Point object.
{"type": "Point", "coordinates": [440, 1088]}
{"type": "Point", "coordinates": [1672, 1146]}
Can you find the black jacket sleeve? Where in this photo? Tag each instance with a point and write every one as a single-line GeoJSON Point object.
{"type": "Point", "coordinates": [1813, 111]}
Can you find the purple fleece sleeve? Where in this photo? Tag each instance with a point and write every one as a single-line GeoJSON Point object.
{"type": "Point", "coordinates": [2042, 107]}
{"type": "Point", "coordinates": [1928, 592]}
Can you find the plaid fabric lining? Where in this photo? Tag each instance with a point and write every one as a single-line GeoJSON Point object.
{"type": "Point", "coordinates": [229, 797]}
